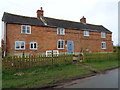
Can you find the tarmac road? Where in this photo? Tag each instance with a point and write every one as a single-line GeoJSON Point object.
{"type": "Point", "coordinates": [109, 79]}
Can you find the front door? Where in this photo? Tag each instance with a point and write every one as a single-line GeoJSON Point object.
{"type": "Point", "coordinates": [70, 46]}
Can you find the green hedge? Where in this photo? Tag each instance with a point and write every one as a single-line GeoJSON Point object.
{"type": "Point", "coordinates": [100, 56]}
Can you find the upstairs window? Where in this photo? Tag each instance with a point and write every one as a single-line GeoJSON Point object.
{"type": "Point", "coordinates": [103, 35]}
{"type": "Point", "coordinates": [86, 33]}
{"type": "Point", "coordinates": [19, 45]}
{"type": "Point", "coordinates": [60, 31]}
{"type": "Point", "coordinates": [33, 45]}
{"type": "Point", "coordinates": [61, 44]}
{"type": "Point", "coordinates": [103, 45]}
{"type": "Point", "coordinates": [26, 29]}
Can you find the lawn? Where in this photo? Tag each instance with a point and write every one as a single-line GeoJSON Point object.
{"type": "Point", "coordinates": [104, 64]}
{"type": "Point", "coordinates": [38, 76]}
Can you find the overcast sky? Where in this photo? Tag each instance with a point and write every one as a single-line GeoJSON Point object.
{"type": "Point", "coordinates": [99, 12]}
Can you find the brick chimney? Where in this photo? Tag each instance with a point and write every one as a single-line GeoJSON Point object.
{"type": "Point", "coordinates": [39, 13]}
{"type": "Point", "coordinates": [83, 20]}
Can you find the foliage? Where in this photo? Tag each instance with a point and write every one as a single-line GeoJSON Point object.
{"type": "Point", "coordinates": [116, 49]}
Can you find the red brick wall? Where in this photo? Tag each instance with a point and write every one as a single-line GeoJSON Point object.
{"type": "Point", "coordinates": [47, 39]}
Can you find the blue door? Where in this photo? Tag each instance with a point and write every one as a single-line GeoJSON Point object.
{"type": "Point", "coordinates": [70, 46]}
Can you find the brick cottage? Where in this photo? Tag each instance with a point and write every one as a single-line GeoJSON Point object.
{"type": "Point", "coordinates": [41, 35]}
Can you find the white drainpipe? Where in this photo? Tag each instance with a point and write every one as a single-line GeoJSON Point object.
{"type": "Point", "coordinates": [4, 36]}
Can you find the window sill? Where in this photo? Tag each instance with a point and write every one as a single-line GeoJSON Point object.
{"type": "Point", "coordinates": [33, 49]}
{"type": "Point", "coordinates": [19, 49]}
{"type": "Point", "coordinates": [86, 35]}
{"type": "Point", "coordinates": [61, 48]}
{"type": "Point", "coordinates": [103, 48]}
{"type": "Point", "coordinates": [25, 33]}
{"type": "Point", "coordinates": [61, 34]}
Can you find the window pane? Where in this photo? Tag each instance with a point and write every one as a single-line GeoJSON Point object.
{"type": "Point", "coordinates": [22, 45]}
{"type": "Point", "coordinates": [62, 31]}
{"type": "Point", "coordinates": [35, 45]}
{"type": "Point", "coordinates": [28, 29]}
{"type": "Point", "coordinates": [59, 31]}
{"type": "Point", "coordinates": [87, 33]}
{"type": "Point", "coordinates": [17, 45]}
{"type": "Point", "coordinates": [103, 34]}
{"type": "Point", "coordinates": [31, 46]}
{"type": "Point", "coordinates": [23, 29]}
{"type": "Point", "coordinates": [58, 44]}
{"type": "Point", "coordinates": [102, 45]}
{"type": "Point", "coordinates": [84, 32]}
{"type": "Point", "coordinates": [61, 44]}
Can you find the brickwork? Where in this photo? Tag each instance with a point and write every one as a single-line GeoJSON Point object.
{"type": "Point", "coordinates": [47, 38]}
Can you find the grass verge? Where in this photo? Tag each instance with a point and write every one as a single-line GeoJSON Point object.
{"type": "Point", "coordinates": [104, 64]}
{"type": "Point", "coordinates": [39, 76]}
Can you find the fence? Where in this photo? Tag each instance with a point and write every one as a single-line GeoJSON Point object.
{"type": "Point", "coordinates": [18, 62]}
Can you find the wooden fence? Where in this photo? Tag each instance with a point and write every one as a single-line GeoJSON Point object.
{"type": "Point", "coordinates": [21, 62]}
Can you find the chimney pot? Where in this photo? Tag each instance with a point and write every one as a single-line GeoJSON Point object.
{"type": "Point", "coordinates": [40, 12]}
{"type": "Point", "coordinates": [41, 8]}
{"type": "Point", "coordinates": [83, 20]}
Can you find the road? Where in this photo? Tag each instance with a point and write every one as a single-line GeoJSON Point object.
{"type": "Point", "coordinates": [109, 79]}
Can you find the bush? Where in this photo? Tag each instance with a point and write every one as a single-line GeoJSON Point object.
{"type": "Point", "coordinates": [100, 56]}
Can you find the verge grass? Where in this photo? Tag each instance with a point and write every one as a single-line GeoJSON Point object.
{"type": "Point", "coordinates": [102, 61]}
{"type": "Point", "coordinates": [102, 65]}
{"type": "Point", "coordinates": [39, 76]}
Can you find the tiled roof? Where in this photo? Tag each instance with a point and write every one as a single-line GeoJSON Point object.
{"type": "Point", "coordinates": [51, 22]}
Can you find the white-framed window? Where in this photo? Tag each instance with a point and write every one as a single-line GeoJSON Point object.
{"type": "Point", "coordinates": [49, 52]}
{"type": "Point", "coordinates": [19, 45]}
{"type": "Point", "coordinates": [103, 35]}
{"type": "Point", "coordinates": [61, 44]}
{"type": "Point", "coordinates": [33, 45]}
{"type": "Point", "coordinates": [86, 33]}
{"type": "Point", "coordinates": [103, 45]}
{"type": "Point", "coordinates": [60, 31]}
{"type": "Point", "coordinates": [55, 52]}
{"type": "Point", "coordinates": [25, 29]}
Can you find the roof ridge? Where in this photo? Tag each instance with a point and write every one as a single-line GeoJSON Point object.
{"type": "Point", "coordinates": [72, 21]}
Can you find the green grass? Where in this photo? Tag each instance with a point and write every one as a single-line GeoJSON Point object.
{"type": "Point", "coordinates": [104, 64]}
{"type": "Point", "coordinates": [38, 76]}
